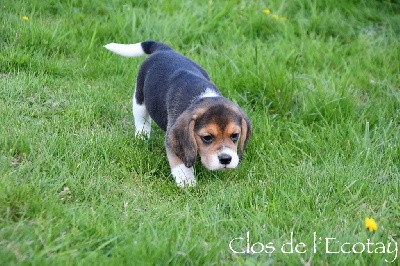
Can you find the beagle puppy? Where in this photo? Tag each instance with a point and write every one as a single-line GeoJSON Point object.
{"type": "Point", "coordinates": [178, 95]}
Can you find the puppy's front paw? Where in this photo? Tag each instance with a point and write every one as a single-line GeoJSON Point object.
{"type": "Point", "coordinates": [184, 176]}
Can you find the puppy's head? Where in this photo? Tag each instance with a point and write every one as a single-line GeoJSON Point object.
{"type": "Point", "coordinates": [216, 129]}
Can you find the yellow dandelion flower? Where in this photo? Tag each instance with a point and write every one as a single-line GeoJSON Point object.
{"type": "Point", "coordinates": [371, 224]}
{"type": "Point", "coordinates": [275, 16]}
{"type": "Point", "coordinates": [25, 18]}
{"type": "Point", "coordinates": [283, 19]}
{"type": "Point", "coordinates": [266, 11]}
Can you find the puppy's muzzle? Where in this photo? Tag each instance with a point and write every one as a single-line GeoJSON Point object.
{"type": "Point", "coordinates": [224, 158]}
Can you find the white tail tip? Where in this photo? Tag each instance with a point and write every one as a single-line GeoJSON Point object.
{"type": "Point", "coordinates": [127, 50]}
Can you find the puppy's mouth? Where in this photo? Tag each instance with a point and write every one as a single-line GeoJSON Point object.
{"type": "Point", "coordinates": [221, 161]}
{"type": "Point", "coordinates": [219, 166]}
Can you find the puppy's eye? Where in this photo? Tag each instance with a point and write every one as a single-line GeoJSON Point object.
{"type": "Point", "coordinates": [207, 139]}
{"type": "Point", "coordinates": [235, 137]}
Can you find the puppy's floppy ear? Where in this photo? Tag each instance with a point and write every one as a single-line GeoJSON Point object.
{"type": "Point", "coordinates": [180, 138]}
{"type": "Point", "coordinates": [245, 133]}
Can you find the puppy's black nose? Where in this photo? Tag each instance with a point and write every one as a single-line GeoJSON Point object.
{"type": "Point", "coordinates": [225, 158]}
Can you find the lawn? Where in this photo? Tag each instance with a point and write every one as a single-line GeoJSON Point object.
{"type": "Point", "coordinates": [319, 79]}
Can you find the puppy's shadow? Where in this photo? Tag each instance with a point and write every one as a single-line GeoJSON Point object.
{"type": "Point", "coordinates": [205, 176]}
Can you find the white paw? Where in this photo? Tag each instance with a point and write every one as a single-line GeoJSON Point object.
{"type": "Point", "coordinates": [184, 176]}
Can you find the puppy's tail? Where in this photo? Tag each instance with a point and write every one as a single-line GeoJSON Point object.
{"type": "Point", "coordinates": [137, 49]}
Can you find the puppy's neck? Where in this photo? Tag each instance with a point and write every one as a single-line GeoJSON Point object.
{"type": "Point", "coordinates": [208, 93]}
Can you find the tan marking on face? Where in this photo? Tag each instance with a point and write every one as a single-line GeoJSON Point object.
{"type": "Point", "coordinates": [221, 141]}
{"type": "Point", "coordinates": [245, 131]}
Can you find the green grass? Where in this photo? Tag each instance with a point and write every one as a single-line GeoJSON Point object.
{"type": "Point", "coordinates": [322, 90]}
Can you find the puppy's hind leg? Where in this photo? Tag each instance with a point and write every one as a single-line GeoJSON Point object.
{"type": "Point", "coordinates": [141, 117]}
